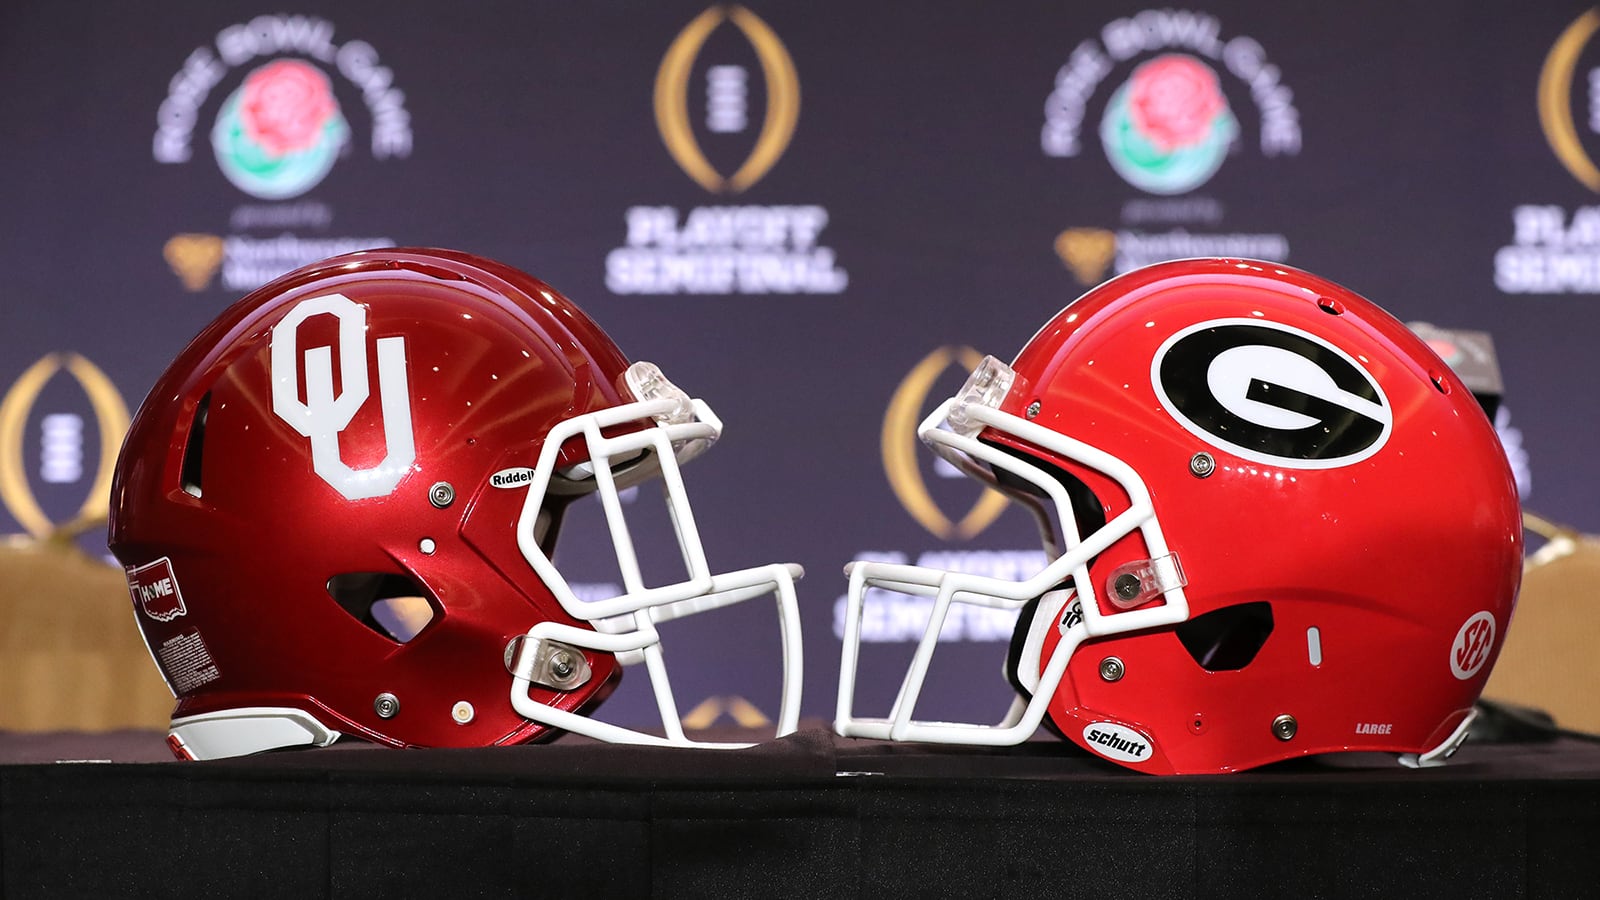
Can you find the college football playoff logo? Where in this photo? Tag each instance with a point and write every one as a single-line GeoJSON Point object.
{"type": "Point", "coordinates": [111, 418]}
{"type": "Point", "coordinates": [1555, 99]}
{"type": "Point", "coordinates": [672, 99]}
{"type": "Point", "coordinates": [900, 449]}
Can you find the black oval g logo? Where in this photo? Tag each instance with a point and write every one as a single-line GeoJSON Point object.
{"type": "Point", "coordinates": [1271, 394]}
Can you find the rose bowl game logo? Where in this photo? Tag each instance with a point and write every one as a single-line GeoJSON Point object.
{"type": "Point", "coordinates": [1168, 129]}
{"type": "Point", "coordinates": [278, 135]}
{"type": "Point", "coordinates": [286, 98]}
{"type": "Point", "coordinates": [1175, 97]}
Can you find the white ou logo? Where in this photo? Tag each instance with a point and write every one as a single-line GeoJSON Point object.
{"type": "Point", "coordinates": [323, 416]}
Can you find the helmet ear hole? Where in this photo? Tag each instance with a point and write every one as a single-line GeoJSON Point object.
{"type": "Point", "coordinates": [194, 448]}
{"type": "Point", "coordinates": [1227, 639]}
{"type": "Point", "coordinates": [392, 605]}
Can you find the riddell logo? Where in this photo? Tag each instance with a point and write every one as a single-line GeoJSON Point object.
{"type": "Point", "coordinates": [1116, 742]}
{"type": "Point", "coordinates": [516, 476]}
{"type": "Point", "coordinates": [155, 590]}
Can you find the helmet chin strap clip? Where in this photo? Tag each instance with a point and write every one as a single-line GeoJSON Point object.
{"type": "Point", "coordinates": [547, 663]}
{"type": "Point", "coordinates": [1142, 580]}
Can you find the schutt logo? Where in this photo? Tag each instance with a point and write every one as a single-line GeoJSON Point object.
{"type": "Point", "coordinates": [1116, 742]}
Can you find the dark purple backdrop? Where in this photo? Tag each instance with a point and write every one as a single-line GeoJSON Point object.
{"type": "Point", "coordinates": [1392, 148]}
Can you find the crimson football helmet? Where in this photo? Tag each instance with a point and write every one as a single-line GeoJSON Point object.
{"type": "Point", "coordinates": [338, 508]}
{"type": "Point", "coordinates": [1277, 525]}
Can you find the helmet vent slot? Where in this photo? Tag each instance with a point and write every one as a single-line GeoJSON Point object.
{"type": "Point", "coordinates": [1227, 639]}
{"type": "Point", "coordinates": [391, 605]}
{"type": "Point", "coordinates": [194, 448]}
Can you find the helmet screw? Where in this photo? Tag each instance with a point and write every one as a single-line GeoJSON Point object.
{"type": "Point", "coordinates": [1126, 585]}
{"type": "Point", "coordinates": [386, 705]}
{"type": "Point", "coordinates": [1201, 465]}
{"type": "Point", "coordinates": [441, 494]}
{"type": "Point", "coordinates": [462, 713]}
{"type": "Point", "coordinates": [1033, 409]}
{"type": "Point", "coordinates": [561, 666]}
{"type": "Point", "coordinates": [1284, 728]}
{"type": "Point", "coordinates": [1111, 669]}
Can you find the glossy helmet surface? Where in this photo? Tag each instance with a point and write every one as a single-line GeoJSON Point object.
{"type": "Point", "coordinates": [1279, 525]}
{"type": "Point", "coordinates": [338, 507]}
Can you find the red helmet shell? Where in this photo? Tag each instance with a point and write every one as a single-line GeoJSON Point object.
{"type": "Point", "coordinates": [216, 480]}
{"type": "Point", "coordinates": [1382, 533]}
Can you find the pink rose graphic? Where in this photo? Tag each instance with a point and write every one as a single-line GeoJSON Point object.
{"type": "Point", "coordinates": [285, 105]}
{"type": "Point", "coordinates": [1173, 100]}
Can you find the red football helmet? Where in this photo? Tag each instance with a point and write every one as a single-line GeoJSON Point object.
{"type": "Point", "coordinates": [337, 511]}
{"type": "Point", "coordinates": [1278, 525]}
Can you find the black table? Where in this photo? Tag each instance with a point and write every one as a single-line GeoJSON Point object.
{"type": "Point", "coordinates": [811, 815]}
